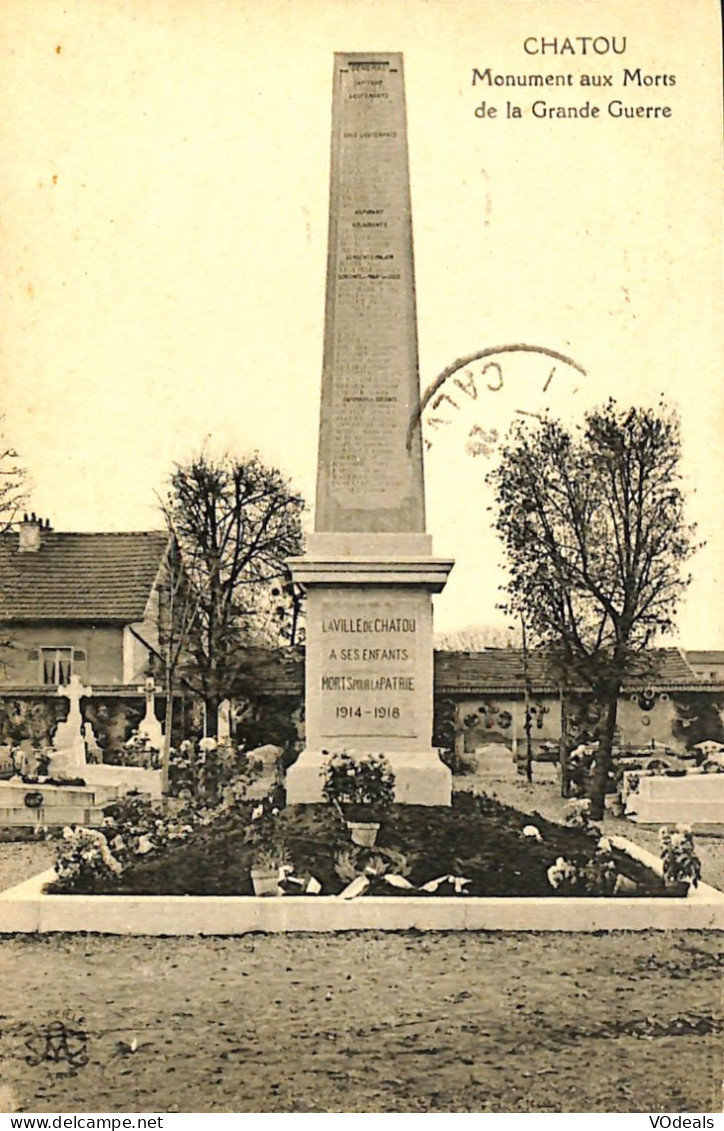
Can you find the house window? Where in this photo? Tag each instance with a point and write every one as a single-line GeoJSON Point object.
{"type": "Point", "coordinates": [56, 665]}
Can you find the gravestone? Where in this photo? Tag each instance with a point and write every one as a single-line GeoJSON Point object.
{"type": "Point", "coordinates": [223, 721]}
{"type": "Point", "coordinates": [68, 741]}
{"type": "Point", "coordinates": [696, 799]}
{"type": "Point", "coordinates": [369, 571]}
{"type": "Point", "coordinates": [149, 726]}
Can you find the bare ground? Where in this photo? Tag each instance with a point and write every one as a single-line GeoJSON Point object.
{"type": "Point", "coordinates": [367, 1023]}
{"type": "Point", "coordinates": [20, 860]}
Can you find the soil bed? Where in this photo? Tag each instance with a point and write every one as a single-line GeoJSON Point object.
{"type": "Point", "coordinates": [477, 838]}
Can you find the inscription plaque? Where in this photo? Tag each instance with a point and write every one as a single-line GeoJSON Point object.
{"type": "Point", "coordinates": [368, 678]}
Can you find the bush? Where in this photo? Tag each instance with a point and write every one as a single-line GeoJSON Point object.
{"type": "Point", "coordinates": [208, 769]}
{"type": "Point", "coordinates": [135, 827]}
{"type": "Point", "coordinates": [265, 834]}
{"type": "Point", "coordinates": [577, 813]}
{"type": "Point", "coordinates": [85, 860]}
{"type": "Point", "coordinates": [595, 876]}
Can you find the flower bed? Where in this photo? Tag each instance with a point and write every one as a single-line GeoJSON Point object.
{"type": "Point", "coordinates": [477, 847]}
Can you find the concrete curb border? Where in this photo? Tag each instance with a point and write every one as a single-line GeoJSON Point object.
{"type": "Point", "coordinates": [26, 909]}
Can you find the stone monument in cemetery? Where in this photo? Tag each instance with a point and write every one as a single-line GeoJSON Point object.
{"type": "Point", "coordinates": [68, 741]}
{"type": "Point", "coordinates": [369, 571]}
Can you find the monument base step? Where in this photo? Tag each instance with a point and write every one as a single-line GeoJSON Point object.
{"type": "Point", "coordinates": [420, 778]}
{"type": "Point", "coordinates": [13, 794]}
{"type": "Point", "coordinates": [60, 805]}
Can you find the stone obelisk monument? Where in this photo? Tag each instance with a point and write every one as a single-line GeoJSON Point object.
{"type": "Point", "coordinates": [368, 570]}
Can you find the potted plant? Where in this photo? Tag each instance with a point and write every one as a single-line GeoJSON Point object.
{"type": "Point", "coordinates": [681, 865]}
{"type": "Point", "coordinates": [265, 837]}
{"type": "Point", "coordinates": [361, 789]}
{"type": "Point", "coordinates": [266, 874]}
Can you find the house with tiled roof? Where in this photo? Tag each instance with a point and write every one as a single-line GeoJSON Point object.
{"type": "Point", "coordinates": [84, 604]}
{"type": "Point", "coordinates": [502, 671]}
{"type": "Point", "coordinates": [78, 603]}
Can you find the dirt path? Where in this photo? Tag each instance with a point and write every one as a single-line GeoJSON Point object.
{"type": "Point", "coordinates": [20, 860]}
{"type": "Point", "coordinates": [368, 1022]}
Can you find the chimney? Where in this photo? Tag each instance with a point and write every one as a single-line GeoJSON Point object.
{"type": "Point", "coordinates": [30, 533]}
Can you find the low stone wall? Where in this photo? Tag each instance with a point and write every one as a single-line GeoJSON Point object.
{"type": "Point", "coordinates": [25, 909]}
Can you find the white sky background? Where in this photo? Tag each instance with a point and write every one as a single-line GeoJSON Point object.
{"type": "Point", "coordinates": [164, 225]}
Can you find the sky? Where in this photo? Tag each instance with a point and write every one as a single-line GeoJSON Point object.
{"type": "Point", "coordinates": [164, 181]}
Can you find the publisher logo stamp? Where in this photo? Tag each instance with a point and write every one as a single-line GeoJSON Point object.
{"type": "Point", "coordinates": [60, 1042]}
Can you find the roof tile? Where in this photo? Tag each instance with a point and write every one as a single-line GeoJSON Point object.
{"type": "Point", "coordinates": [495, 669]}
{"type": "Point", "coordinates": [88, 577]}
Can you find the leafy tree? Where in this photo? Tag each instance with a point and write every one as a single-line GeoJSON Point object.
{"type": "Point", "coordinates": [234, 525]}
{"type": "Point", "coordinates": [594, 528]}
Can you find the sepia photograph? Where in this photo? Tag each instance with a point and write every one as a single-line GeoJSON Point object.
{"type": "Point", "coordinates": [361, 610]}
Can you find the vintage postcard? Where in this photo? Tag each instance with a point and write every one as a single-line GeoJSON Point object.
{"type": "Point", "coordinates": [362, 627]}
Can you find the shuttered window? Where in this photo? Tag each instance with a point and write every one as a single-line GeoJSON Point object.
{"type": "Point", "coordinates": [56, 665]}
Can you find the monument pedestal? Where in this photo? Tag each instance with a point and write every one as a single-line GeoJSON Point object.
{"type": "Point", "coordinates": [369, 573]}
{"type": "Point", "coordinates": [420, 777]}
{"type": "Point", "coordinates": [369, 661]}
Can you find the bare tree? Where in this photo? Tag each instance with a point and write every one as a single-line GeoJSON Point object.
{"type": "Point", "coordinates": [234, 524]}
{"type": "Point", "coordinates": [14, 497]}
{"type": "Point", "coordinates": [178, 605]}
{"type": "Point", "coordinates": [594, 527]}
{"type": "Point", "coordinates": [13, 484]}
